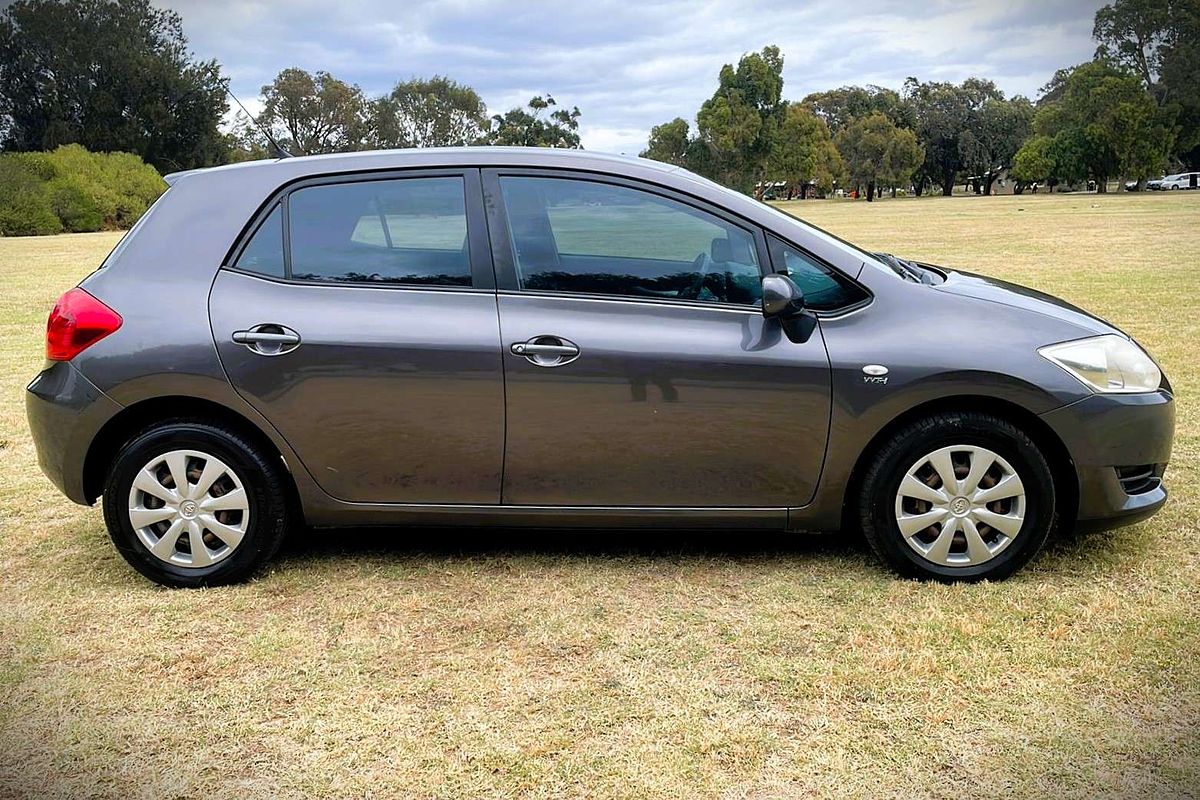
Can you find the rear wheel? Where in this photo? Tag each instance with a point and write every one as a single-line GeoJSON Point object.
{"type": "Point", "coordinates": [193, 504]}
{"type": "Point", "coordinates": [958, 496]}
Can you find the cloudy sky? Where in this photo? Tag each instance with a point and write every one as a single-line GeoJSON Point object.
{"type": "Point", "coordinates": [631, 65]}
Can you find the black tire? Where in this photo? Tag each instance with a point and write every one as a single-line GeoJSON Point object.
{"type": "Point", "coordinates": [263, 479]}
{"type": "Point", "coordinates": [876, 501]}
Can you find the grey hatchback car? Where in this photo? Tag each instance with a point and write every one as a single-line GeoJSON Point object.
{"type": "Point", "coordinates": [531, 337]}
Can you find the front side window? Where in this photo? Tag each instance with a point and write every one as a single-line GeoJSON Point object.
{"type": "Point", "coordinates": [824, 288]}
{"type": "Point", "coordinates": [594, 238]}
{"type": "Point", "coordinates": [401, 231]}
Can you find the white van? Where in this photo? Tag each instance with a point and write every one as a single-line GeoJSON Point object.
{"type": "Point", "coordinates": [1184, 180]}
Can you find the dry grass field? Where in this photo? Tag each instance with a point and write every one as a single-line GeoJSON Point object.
{"type": "Point", "coordinates": [498, 664]}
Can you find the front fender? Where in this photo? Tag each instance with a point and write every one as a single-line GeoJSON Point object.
{"type": "Point", "coordinates": [935, 347]}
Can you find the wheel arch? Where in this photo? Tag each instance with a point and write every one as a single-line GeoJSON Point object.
{"type": "Point", "coordinates": [1066, 481]}
{"type": "Point", "coordinates": [143, 414]}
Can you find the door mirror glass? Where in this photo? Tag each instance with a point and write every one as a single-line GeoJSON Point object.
{"type": "Point", "coordinates": [781, 298]}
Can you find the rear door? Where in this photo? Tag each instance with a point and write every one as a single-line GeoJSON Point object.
{"type": "Point", "coordinates": [360, 319]}
{"type": "Point", "coordinates": [639, 368]}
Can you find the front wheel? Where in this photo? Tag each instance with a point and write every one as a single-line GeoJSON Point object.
{"type": "Point", "coordinates": [958, 497]}
{"type": "Point", "coordinates": [189, 504]}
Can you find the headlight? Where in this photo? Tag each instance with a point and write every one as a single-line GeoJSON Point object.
{"type": "Point", "coordinates": [1108, 363]}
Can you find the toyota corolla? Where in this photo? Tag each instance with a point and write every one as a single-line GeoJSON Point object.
{"type": "Point", "coordinates": [551, 338]}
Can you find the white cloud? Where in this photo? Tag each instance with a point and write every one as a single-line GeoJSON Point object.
{"type": "Point", "coordinates": [631, 66]}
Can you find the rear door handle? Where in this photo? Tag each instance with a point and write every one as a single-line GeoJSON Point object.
{"type": "Point", "coordinates": [546, 351]}
{"type": "Point", "coordinates": [268, 339]}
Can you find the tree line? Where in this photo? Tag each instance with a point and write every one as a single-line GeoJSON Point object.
{"type": "Point", "coordinates": [309, 114]}
{"type": "Point", "coordinates": [1130, 113]}
{"type": "Point", "coordinates": [117, 75]}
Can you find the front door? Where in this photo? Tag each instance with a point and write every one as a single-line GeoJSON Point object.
{"type": "Point", "coordinates": [639, 368]}
{"type": "Point", "coordinates": [360, 319]}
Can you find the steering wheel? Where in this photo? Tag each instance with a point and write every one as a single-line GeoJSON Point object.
{"type": "Point", "coordinates": [701, 266]}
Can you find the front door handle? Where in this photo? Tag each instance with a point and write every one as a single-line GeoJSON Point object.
{"type": "Point", "coordinates": [546, 351]}
{"type": "Point", "coordinates": [268, 339]}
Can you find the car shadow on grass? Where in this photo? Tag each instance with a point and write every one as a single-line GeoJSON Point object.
{"type": "Point", "coordinates": [467, 543]}
{"type": "Point", "coordinates": [1080, 554]}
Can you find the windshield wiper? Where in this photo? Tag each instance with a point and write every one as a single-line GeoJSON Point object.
{"type": "Point", "coordinates": [906, 269]}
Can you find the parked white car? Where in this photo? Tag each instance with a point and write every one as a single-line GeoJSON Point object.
{"type": "Point", "coordinates": [1184, 180]}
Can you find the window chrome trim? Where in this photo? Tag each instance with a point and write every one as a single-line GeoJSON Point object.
{"type": "Point", "coordinates": [412, 287]}
{"type": "Point", "coordinates": [644, 301]}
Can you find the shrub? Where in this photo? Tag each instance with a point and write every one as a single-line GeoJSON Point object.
{"type": "Point", "coordinates": [77, 189]}
{"type": "Point", "coordinates": [76, 209]}
{"type": "Point", "coordinates": [25, 208]}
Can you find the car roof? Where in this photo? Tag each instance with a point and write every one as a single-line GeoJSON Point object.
{"type": "Point", "coordinates": [439, 157]}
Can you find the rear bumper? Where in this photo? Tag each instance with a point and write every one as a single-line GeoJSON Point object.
{"type": "Point", "coordinates": [65, 411]}
{"type": "Point", "coordinates": [1111, 439]}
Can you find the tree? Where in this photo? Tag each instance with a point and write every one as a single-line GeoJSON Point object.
{"type": "Point", "coordinates": [1003, 126]}
{"type": "Point", "coordinates": [903, 156]}
{"type": "Point", "coordinates": [840, 107]}
{"type": "Point", "coordinates": [111, 75]}
{"type": "Point", "coordinates": [737, 124]}
{"type": "Point", "coordinates": [803, 152]}
{"type": "Point", "coordinates": [312, 114]}
{"type": "Point", "coordinates": [1159, 42]}
{"type": "Point", "coordinates": [1105, 124]}
{"type": "Point", "coordinates": [669, 143]}
{"type": "Point", "coordinates": [1033, 163]}
{"type": "Point", "coordinates": [434, 112]}
{"type": "Point", "coordinates": [245, 141]}
{"type": "Point", "coordinates": [877, 153]}
{"type": "Point", "coordinates": [1180, 77]}
{"type": "Point", "coordinates": [526, 127]}
{"type": "Point", "coordinates": [948, 125]}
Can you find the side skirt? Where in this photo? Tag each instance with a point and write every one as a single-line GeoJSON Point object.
{"type": "Point", "coordinates": [354, 514]}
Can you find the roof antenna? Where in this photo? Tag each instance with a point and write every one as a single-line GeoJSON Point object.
{"type": "Point", "coordinates": [278, 151]}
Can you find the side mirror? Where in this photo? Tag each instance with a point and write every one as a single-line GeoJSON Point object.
{"type": "Point", "coordinates": [781, 299]}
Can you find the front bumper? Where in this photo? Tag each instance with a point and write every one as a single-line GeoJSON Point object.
{"type": "Point", "coordinates": [1120, 445]}
{"type": "Point", "coordinates": [65, 411]}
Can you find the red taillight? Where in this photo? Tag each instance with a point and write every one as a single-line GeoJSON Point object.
{"type": "Point", "coordinates": [77, 322]}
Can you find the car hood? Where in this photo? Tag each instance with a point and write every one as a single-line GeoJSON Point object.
{"type": "Point", "coordinates": [968, 284]}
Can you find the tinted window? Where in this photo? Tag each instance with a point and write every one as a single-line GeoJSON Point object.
{"type": "Point", "coordinates": [264, 253]}
{"type": "Point", "coordinates": [595, 238]}
{"type": "Point", "coordinates": [824, 289]}
{"type": "Point", "coordinates": [409, 230]}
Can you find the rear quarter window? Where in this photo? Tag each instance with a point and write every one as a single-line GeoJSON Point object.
{"type": "Point", "coordinates": [264, 252]}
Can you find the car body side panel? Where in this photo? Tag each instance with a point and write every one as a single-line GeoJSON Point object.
{"type": "Point", "coordinates": [394, 395]}
{"type": "Point", "coordinates": [925, 362]}
{"type": "Point", "coordinates": [666, 405]}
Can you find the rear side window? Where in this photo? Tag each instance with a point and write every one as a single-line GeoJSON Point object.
{"type": "Point", "coordinates": [581, 236]}
{"type": "Point", "coordinates": [264, 252]}
{"type": "Point", "coordinates": [824, 288]}
{"type": "Point", "coordinates": [401, 231]}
